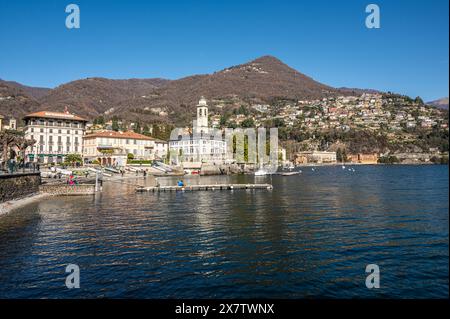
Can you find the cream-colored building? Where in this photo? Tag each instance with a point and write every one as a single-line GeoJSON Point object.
{"type": "Point", "coordinates": [56, 134]}
{"type": "Point", "coordinates": [111, 148]}
{"type": "Point", "coordinates": [11, 126]}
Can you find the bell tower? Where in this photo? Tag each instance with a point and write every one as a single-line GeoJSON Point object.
{"type": "Point", "coordinates": [202, 116]}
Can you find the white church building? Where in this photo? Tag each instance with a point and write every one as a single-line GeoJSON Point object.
{"type": "Point", "coordinates": [202, 145]}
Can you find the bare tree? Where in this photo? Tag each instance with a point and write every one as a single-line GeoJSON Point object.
{"type": "Point", "coordinates": [22, 144]}
{"type": "Point", "coordinates": [11, 138]}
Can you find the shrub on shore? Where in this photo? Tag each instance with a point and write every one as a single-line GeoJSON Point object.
{"type": "Point", "coordinates": [389, 159]}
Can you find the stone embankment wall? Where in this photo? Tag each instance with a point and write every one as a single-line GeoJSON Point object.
{"type": "Point", "coordinates": [65, 189]}
{"type": "Point", "coordinates": [14, 186]}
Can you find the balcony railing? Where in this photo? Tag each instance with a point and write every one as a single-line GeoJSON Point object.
{"type": "Point", "coordinates": [68, 125]}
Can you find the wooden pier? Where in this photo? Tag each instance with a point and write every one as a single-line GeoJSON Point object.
{"type": "Point", "coordinates": [212, 187]}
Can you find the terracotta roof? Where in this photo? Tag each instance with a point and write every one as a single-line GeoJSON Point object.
{"type": "Point", "coordinates": [128, 135]}
{"type": "Point", "coordinates": [56, 115]}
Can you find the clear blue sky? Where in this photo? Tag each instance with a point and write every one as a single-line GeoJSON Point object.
{"type": "Point", "coordinates": [326, 40]}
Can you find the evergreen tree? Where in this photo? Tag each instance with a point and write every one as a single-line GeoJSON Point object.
{"type": "Point", "coordinates": [156, 131]}
{"type": "Point", "coordinates": [146, 130]}
{"type": "Point", "coordinates": [247, 123]}
{"type": "Point", "coordinates": [137, 127]}
{"type": "Point", "coordinates": [115, 124]}
{"type": "Point", "coordinates": [339, 155]}
{"type": "Point", "coordinates": [99, 120]}
{"type": "Point", "coordinates": [418, 100]}
{"type": "Point", "coordinates": [344, 155]}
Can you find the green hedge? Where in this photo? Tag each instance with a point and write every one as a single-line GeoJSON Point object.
{"type": "Point", "coordinates": [139, 161]}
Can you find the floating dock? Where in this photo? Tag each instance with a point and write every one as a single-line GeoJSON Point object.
{"type": "Point", "coordinates": [212, 187]}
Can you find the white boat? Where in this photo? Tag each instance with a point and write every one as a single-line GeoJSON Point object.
{"type": "Point", "coordinates": [289, 167]}
{"type": "Point", "coordinates": [261, 172]}
{"type": "Point", "coordinates": [289, 173]}
{"type": "Point", "coordinates": [63, 171]}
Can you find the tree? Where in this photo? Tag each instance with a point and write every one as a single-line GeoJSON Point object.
{"type": "Point", "coordinates": [115, 124]}
{"type": "Point", "coordinates": [339, 155]}
{"type": "Point", "coordinates": [232, 124]}
{"type": "Point", "coordinates": [344, 155]}
{"type": "Point", "coordinates": [11, 138]}
{"type": "Point", "coordinates": [156, 131]}
{"type": "Point", "coordinates": [6, 140]}
{"type": "Point", "coordinates": [22, 144]}
{"type": "Point", "coordinates": [388, 159]}
{"type": "Point", "coordinates": [137, 128]}
{"type": "Point", "coordinates": [418, 100]}
{"type": "Point", "coordinates": [276, 122]}
{"type": "Point", "coordinates": [224, 119]}
{"type": "Point", "coordinates": [130, 156]}
{"type": "Point", "coordinates": [248, 123]}
{"type": "Point", "coordinates": [243, 110]}
{"type": "Point", "coordinates": [146, 130]}
{"type": "Point", "coordinates": [73, 158]}
{"type": "Point", "coordinates": [99, 120]}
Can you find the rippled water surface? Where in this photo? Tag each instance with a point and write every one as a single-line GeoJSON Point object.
{"type": "Point", "coordinates": [311, 236]}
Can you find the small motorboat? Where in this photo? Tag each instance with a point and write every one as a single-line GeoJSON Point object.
{"type": "Point", "coordinates": [289, 173]}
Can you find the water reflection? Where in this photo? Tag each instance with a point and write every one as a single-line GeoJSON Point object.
{"type": "Point", "coordinates": [311, 236]}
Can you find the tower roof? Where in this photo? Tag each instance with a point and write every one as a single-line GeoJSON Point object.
{"type": "Point", "coordinates": [202, 102]}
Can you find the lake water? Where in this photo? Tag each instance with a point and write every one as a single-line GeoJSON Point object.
{"type": "Point", "coordinates": [311, 236]}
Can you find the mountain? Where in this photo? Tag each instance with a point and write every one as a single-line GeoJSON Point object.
{"type": "Point", "coordinates": [34, 92]}
{"type": "Point", "coordinates": [440, 103]}
{"type": "Point", "coordinates": [16, 99]}
{"type": "Point", "coordinates": [263, 80]}
{"type": "Point", "coordinates": [92, 97]}
{"type": "Point", "coordinates": [259, 81]}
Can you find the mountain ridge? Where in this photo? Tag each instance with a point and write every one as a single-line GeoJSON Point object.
{"type": "Point", "coordinates": [441, 103]}
{"type": "Point", "coordinates": [261, 80]}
